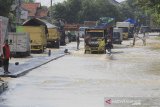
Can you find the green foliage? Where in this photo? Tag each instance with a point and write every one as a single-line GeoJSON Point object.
{"type": "Point", "coordinates": [5, 7]}
{"type": "Point", "coordinates": [151, 7]}
{"type": "Point", "coordinates": [88, 11]}
{"type": "Point", "coordinates": [74, 11]}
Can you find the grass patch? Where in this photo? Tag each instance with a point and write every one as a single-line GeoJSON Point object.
{"type": "Point", "coordinates": [155, 46]}
{"type": "Point", "coordinates": [157, 38]}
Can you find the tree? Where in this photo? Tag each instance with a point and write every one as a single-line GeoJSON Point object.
{"type": "Point", "coordinates": [60, 11]}
{"type": "Point", "coordinates": [73, 8]}
{"type": "Point", "coordinates": [75, 11]}
{"type": "Point", "coordinates": [5, 7]}
{"type": "Point", "coordinates": [151, 7]}
{"type": "Point", "coordinates": [88, 11]}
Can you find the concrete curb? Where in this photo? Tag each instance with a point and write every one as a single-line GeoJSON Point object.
{"type": "Point", "coordinates": [25, 71]}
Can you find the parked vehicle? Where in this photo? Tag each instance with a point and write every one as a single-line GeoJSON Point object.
{"type": "Point", "coordinates": [37, 37]}
{"type": "Point", "coordinates": [38, 32]}
{"type": "Point", "coordinates": [117, 35]}
{"type": "Point", "coordinates": [53, 38]}
{"type": "Point", "coordinates": [82, 31]}
{"type": "Point", "coordinates": [60, 23]}
{"type": "Point", "coordinates": [72, 31]}
{"type": "Point", "coordinates": [145, 29]}
{"type": "Point", "coordinates": [126, 27]}
{"type": "Point", "coordinates": [19, 44]}
{"type": "Point", "coordinates": [3, 34]}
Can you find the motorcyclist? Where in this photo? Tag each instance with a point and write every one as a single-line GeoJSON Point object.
{"type": "Point", "coordinates": [109, 46]}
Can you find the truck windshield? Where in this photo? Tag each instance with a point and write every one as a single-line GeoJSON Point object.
{"type": "Point", "coordinates": [96, 34]}
{"type": "Point", "coordinates": [116, 35]}
{"type": "Point", "coordinates": [125, 29]}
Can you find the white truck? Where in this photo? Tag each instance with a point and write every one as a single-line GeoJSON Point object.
{"type": "Point", "coordinates": [126, 27]}
{"type": "Point", "coordinates": [117, 35]}
{"type": "Point", "coordinates": [19, 44]}
{"type": "Point", "coordinates": [3, 34]}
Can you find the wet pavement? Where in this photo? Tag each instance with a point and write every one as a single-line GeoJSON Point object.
{"type": "Point", "coordinates": [27, 64]}
{"type": "Point", "coordinates": [85, 80]}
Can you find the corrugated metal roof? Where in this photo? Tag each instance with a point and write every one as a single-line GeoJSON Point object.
{"type": "Point", "coordinates": [49, 25]}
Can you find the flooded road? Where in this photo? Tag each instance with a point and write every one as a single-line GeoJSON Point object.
{"type": "Point", "coordinates": [79, 80]}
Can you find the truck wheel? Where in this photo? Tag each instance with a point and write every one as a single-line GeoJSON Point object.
{"type": "Point", "coordinates": [57, 44]}
{"type": "Point", "coordinates": [42, 50]}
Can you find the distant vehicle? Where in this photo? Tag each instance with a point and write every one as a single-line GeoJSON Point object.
{"type": "Point", "coordinates": [82, 31]}
{"type": "Point", "coordinates": [117, 35]}
{"type": "Point", "coordinates": [126, 27]}
{"type": "Point", "coordinates": [3, 34]}
{"type": "Point", "coordinates": [71, 31]}
{"type": "Point", "coordinates": [144, 29]}
{"type": "Point", "coordinates": [53, 38]}
{"type": "Point", "coordinates": [19, 44]}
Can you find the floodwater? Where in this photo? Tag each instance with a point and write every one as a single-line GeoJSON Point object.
{"type": "Point", "coordinates": [79, 80]}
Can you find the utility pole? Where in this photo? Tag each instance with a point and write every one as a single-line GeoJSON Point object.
{"type": "Point", "coordinates": [18, 4]}
{"type": "Point", "coordinates": [51, 11]}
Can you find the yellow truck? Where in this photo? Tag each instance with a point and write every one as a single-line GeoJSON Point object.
{"type": "Point", "coordinates": [37, 37]}
{"type": "Point", "coordinates": [95, 40]}
{"type": "Point", "coordinates": [53, 39]}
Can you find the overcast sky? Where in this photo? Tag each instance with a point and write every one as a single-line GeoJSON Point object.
{"type": "Point", "coordinates": [47, 2]}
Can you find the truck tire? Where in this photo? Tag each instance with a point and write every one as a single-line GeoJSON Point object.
{"type": "Point", "coordinates": [57, 44]}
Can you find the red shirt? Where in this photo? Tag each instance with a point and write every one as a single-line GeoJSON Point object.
{"type": "Point", "coordinates": [6, 51]}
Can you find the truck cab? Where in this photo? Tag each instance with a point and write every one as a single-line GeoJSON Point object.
{"type": "Point", "coordinates": [95, 40]}
{"type": "Point", "coordinates": [125, 27]}
{"type": "Point", "coordinates": [117, 35]}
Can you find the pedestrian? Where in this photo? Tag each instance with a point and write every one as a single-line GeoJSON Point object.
{"type": "Point", "coordinates": [6, 56]}
{"type": "Point", "coordinates": [49, 52]}
{"type": "Point", "coordinates": [78, 41]}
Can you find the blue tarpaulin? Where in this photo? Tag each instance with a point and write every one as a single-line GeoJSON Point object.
{"type": "Point", "coordinates": [130, 20]}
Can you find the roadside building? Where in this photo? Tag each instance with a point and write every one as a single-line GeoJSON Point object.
{"type": "Point", "coordinates": [35, 10]}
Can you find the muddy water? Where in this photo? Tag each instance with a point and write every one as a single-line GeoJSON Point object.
{"type": "Point", "coordinates": [79, 80]}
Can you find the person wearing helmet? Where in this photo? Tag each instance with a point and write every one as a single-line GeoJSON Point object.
{"type": "Point", "coordinates": [109, 45]}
